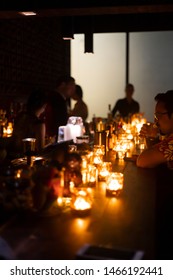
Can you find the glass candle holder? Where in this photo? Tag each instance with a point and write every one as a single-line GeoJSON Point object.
{"type": "Point", "coordinates": [97, 160]}
{"type": "Point", "coordinates": [140, 142]}
{"type": "Point", "coordinates": [91, 175]}
{"type": "Point", "coordinates": [121, 149]}
{"type": "Point", "coordinates": [98, 153]}
{"type": "Point", "coordinates": [104, 171]}
{"type": "Point", "coordinates": [99, 150]}
{"type": "Point", "coordinates": [82, 200]}
{"type": "Point", "coordinates": [114, 184]}
{"type": "Point", "coordinates": [84, 163]}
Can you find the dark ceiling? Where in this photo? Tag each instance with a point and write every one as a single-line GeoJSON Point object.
{"type": "Point", "coordinates": [107, 15]}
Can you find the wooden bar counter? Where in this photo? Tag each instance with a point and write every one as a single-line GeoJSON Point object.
{"type": "Point", "coordinates": [125, 222]}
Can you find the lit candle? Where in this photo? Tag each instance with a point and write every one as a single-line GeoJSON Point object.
{"type": "Point", "coordinates": [121, 149]}
{"type": "Point", "coordinates": [81, 204]}
{"type": "Point", "coordinates": [97, 159]}
{"type": "Point", "coordinates": [104, 170]}
{"type": "Point", "coordinates": [91, 175]}
{"type": "Point", "coordinates": [7, 132]}
{"type": "Point", "coordinates": [81, 201]}
{"type": "Point", "coordinates": [114, 183]}
{"type": "Point", "coordinates": [18, 173]}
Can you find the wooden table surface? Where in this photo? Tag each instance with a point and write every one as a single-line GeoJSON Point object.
{"type": "Point", "coordinates": [126, 222]}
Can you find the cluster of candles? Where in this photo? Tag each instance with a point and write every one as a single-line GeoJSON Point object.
{"type": "Point", "coordinates": [94, 168]}
{"type": "Point", "coordinates": [128, 137]}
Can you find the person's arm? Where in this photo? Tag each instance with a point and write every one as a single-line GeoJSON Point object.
{"type": "Point", "coordinates": [115, 109]}
{"type": "Point", "coordinates": [138, 108]}
{"type": "Point", "coordinates": [150, 157]}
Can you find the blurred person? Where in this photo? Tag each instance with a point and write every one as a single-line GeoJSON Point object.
{"type": "Point", "coordinates": [57, 109]}
{"type": "Point", "coordinates": [161, 152]}
{"type": "Point", "coordinates": [29, 124]}
{"type": "Point", "coordinates": [127, 106]}
{"type": "Point", "coordinates": [80, 108]}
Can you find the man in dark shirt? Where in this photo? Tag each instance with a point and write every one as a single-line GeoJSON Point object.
{"type": "Point", "coordinates": [126, 106]}
{"type": "Point", "coordinates": [57, 108]}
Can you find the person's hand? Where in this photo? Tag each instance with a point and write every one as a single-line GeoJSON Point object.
{"type": "Point", "coordinates": [149, 130]}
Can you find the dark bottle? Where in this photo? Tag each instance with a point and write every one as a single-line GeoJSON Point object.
{"type": "Point", "coordinates": [109, 115]}
{"type": "Point", "coordinates": [110, 138]}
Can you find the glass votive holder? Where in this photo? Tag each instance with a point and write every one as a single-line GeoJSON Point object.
{"type": "Point", "coordinates": [81, 200]}
{"type": "Point", "coordinates": [140, 142]}
{"type": "Point", "coordinates": [120, 154]}
{"type": "Point", "coordinates": [114, 184]}
{"type": "Point", "coordinates": [91, 175]}
{"type": "Point", "coordinates": [99, 149]}
{"type": "Point", "coordinates": [84, 163]}
{"type": "Point", "coordinates": [97, 160]}
{"type": "Point", "coordinates": [121, 149]}
{"type": "Point", "coordinates": [104, 171]}
{"type": "Point", "coordinates": [98, 153]}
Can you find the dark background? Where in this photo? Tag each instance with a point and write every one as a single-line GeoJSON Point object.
{"type": "Point", "coordinates": [32, 51]}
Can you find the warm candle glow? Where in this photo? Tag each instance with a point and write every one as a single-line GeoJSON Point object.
{"type": "Point", "coordinates": [105, 170]}
{"type": "Point", "coordinates": [81, 199]}
{"type": "Point", "coordinates": [91, 174]}
{"type": "Point", "coordinates": [84, 162]}
{"type": "Point", "coordinates": [121, 148]}
{"type": "Point", "coordinates": [99, 149]}
{"type": "Point", "coordinates": [60, 201]}
{"type": "Point", "coordinates": [18, 173]}
{"type": "Point", "coordinates": [97, 159]}
{"type": "Point", "coordinates": [81, 204]}
{"type": "Point", "coordinates": [114, 183]}
{"type": "Point", "coordinates": [7, 132]}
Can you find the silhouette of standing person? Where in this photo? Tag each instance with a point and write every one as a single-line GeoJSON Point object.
{"type": "Point", "coordinates": [80, 108]}
{"type": "Point", "coordinates": [126, 106]}
{"type": "Point", "coordinates": [56, 113]}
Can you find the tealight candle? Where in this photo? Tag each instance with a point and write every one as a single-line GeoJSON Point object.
{"type": "Point", "coordinates": [104, 170]}
{"type": "Point", "coordinates": [18, 173]}
{"type": "Point", "coordinates": [97, 159]}
{"type": "Point", "coordinates": [99, 149]}
{"type": "Point", "coordinates": [81, 202]}
{"type": "Point", "coordinates": [91, 175]}
{"type": "Point", "coordinates": [121, 149]}
{"type": "Point", "coordinates": [114, 183]}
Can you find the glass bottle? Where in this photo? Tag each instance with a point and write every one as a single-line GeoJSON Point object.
{"type": "Point", "coordinates": [110, 137]}
{"type": "Point", "coordinates": [109, 115]}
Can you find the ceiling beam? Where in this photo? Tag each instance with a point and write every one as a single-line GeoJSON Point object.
{"type": "Point", "coordinates": [95, 10]}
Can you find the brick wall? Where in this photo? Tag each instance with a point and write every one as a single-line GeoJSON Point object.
{"type": "Point", "coordinates": [32, 54]}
